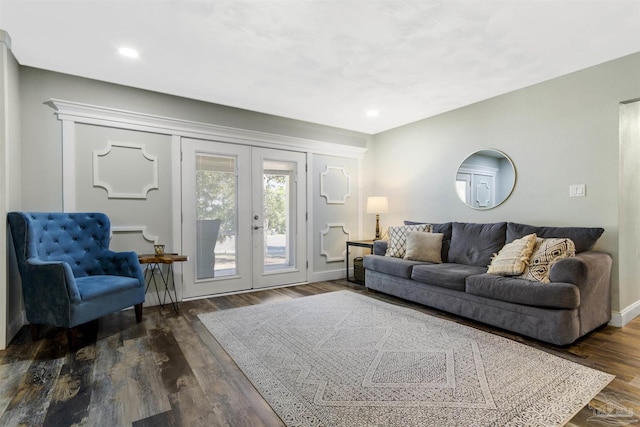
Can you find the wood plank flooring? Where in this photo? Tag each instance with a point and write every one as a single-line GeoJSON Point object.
{"type": "Point", "coordinates": [169, 370]}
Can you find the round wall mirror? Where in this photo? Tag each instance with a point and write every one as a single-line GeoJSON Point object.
{"type": "Point", "coordinates": [485, 179]}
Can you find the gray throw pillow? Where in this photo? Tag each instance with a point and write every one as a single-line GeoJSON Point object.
{"type": "Point", "coordinates": [424, 247]}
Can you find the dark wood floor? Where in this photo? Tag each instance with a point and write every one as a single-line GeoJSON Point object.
{"type": "Point", "coordinates": [169, 371]}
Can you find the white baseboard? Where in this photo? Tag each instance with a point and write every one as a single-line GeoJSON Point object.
{"type": "Point", "coordinates": [619, 319]}
{"type": "Point", "coordinates": [323, 276]}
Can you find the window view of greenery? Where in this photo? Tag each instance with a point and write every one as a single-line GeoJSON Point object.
{"type": "Point", "coordinates": [276, 210]}
{"type": "Point", "coordinates": [216, 200]}
{"type": "Point", "coordinates": [275, 203]}
{"type": "Point", "coordinates": [216, 216]}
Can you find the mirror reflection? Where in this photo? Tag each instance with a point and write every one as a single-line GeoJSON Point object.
{"type": "Point", "coordinates": [485, 179]}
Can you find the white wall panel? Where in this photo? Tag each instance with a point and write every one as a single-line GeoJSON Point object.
{"type": "Point", "coordinates": [334, 195]}
{"type": "Point", "coordinates": [136, 169]}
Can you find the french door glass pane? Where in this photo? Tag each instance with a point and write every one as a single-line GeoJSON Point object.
{"type": "Point", "coordinates": [279, 214]}
{"type": "Point", "coordinates": [217, 213]}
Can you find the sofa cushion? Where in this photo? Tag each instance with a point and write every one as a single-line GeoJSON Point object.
{"type": "Point", "coordinates": [513, 258]}
{"type": "Point", "coordinates": [583, 237]}
{"type": "Point", "coordinates": [521, 291]}
{"type": "Point", "coordinates": [447, 275]}
{"type": "Point", "coordinates": [475, 244]}
{"type": "Point", "coordinates": [398, 238]}
{"type": "Point", "coordinates": [390, 265]}
{"type": "Point", "coordinates": [91, 287]}
{"type": "Point", "coordinates": [445, 229]}
{"type": "Point", "coordinates": [546, 253]}
{"type": "Point", "coordinates": [424, 246]}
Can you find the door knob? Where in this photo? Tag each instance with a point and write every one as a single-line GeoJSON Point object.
{"type": "Point", "coordinates": [257, 227]}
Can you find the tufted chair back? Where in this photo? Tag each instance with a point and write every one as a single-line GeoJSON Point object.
{"type": "Point", "coordinates": [78, 239]}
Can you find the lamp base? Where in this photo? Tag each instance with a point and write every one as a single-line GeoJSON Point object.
{"type": "Point", "coordinates": [377, 227]}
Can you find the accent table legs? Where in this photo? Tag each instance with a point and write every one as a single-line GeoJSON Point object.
{"type": "Point", "coordinates": [167, 279]}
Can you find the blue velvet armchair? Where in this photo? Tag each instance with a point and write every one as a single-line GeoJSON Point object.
{"type": "Point", "coordinates": [69, 275]}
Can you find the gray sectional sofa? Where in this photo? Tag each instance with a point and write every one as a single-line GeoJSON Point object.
{"type": "Point", "coordinates": [575, 302]}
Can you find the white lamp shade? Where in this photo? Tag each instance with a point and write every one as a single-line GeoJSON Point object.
{"type": "Point", "coordinates": [377, 204]}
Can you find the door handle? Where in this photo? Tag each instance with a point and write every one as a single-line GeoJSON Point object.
{"type": "Point", "coordinates": [258, 227]}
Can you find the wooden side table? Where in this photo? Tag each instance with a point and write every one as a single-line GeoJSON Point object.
{"type": "Point", "coordinates": [360, 244]}
{"type": "Point", "coordinates": [154, 263]}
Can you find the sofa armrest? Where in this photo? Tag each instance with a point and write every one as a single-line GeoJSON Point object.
{"type": "Point", "coordinates": [380, 247]}
{"type": "Point", "coordinates": [590, 271]}
{"type": "Point", "coordinates": [569, 270]}
{"type": "Point", "coordinates": [121, 264]}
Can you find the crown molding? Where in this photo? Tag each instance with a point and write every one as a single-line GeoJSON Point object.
{"type": "Point", "coordinates": [113, 117]}
{"type": "Point", "coordinates": [5, 39]}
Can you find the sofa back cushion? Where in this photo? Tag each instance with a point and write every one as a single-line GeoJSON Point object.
{"type": "Point", "coordinates": [475, 244]}
{"type": "Point", "coordinates": [583, 237]}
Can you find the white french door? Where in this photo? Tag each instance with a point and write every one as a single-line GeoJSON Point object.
{"type": "Point", "coordinates": [244, 211]}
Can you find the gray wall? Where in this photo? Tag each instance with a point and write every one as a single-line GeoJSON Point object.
{"type": "Point", "coordinates": [560, 132]}
{"type": "Point", "coordinates": [41, 130]}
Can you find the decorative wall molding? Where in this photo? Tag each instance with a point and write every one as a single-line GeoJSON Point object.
{"type": "Point", "coordinates": [478, 169]}
{"type": "Point", "coordinates": [483, 194]}
{"type": "Point", "coordinates": [341, 232]}
{"type": "Point", "coordinates": [335, 185]}
{"type": "Point", "coordinates": [123, 119]}
{"type": "Point", "coordinates": [142, 229]}
{"type": "Point", "coordinates": [98, 172]}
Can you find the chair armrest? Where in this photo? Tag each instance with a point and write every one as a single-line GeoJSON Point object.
{"type": "Point", "coordinates": [121, 264]}
{"type": "Point", "coordinates": [56, 274]}
{"type": "Point", "coordinates": [49, 290]}
{"type": "Point", "coordinates": [380, 247]}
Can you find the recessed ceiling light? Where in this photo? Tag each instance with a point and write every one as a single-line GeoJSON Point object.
{"type": "Point", "coordinates": [128, 52]}
{"type": "Point", "coordinates": [373, 113]}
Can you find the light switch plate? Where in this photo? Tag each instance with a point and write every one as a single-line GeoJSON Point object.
{"type": "Point", "coordinates": [577, 190]}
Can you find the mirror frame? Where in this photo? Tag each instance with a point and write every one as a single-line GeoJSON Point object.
{"type": "Point", "coordinates": [506, 196]}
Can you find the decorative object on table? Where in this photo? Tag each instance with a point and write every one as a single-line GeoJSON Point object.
{"type": "Point", "coordinates": [350, 360]}
{"type": "Point", "coordinates": [69, 275]}
{"type": "Point", "coordinates": [377, 205]}
{"type": "Point", "coordinates": [158, 250]}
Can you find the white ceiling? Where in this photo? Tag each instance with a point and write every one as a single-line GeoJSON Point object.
{"type": "Point", "coordinates": [324, 61]}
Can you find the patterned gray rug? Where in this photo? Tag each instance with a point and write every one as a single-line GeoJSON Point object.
{"type": "Point", "coordinates": [344, 359]}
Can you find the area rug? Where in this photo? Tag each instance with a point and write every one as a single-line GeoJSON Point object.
{"type": "Point", "coordinates": [345, 359]}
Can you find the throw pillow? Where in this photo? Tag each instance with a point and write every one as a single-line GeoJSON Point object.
{"type": "Point", "coordinates": [513, 258]}
{"type": "Point", "coordinates": [424, 246]}
{"type": "Point", "coordinates": [546, 253]}
{"type": "Point", "coordinates": [398, 238]}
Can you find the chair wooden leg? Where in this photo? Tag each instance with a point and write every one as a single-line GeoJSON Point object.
{"type": "Point", "coordinates": [138, 310]}
{"type": "Point", "coordinates": [35, 331]}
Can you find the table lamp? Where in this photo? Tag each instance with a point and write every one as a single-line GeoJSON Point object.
{"type": "Point", "coordinates": [377, 205]}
